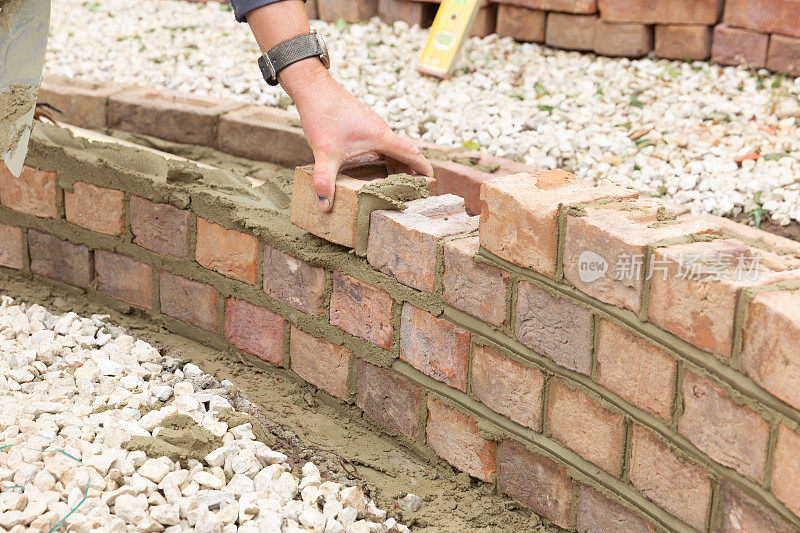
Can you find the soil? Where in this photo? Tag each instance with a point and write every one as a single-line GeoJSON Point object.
{"type": "Point", "coordinates": [790, 231]}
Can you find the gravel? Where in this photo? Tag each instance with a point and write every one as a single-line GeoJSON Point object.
{"type": "Point", "coordinates": [73, 393]}
{"type": "Point", "coordinates": [671, 129]}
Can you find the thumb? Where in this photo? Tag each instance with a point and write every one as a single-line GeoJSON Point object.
{"type": "Point", "coordinates": [325, 170]}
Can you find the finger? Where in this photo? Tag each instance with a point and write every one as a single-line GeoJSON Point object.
{"type": "Point", "coordinates": [404, 151]}
{"type": "Point", "coordinates": [393, 166]}
{"type": "Point", "coordinates": [325, 170]}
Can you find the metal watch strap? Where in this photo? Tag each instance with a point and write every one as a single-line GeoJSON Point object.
{"type": "Point", "coordinates": [290, 51]}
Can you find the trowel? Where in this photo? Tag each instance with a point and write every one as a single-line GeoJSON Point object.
{"type": "Point", "coordinates": [24, 25]}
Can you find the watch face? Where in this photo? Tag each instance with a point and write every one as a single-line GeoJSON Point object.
{"type": "Point", "coordinates": [326, 60]}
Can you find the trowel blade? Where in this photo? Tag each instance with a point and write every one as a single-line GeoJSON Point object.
{"type": "Point", "coordinates": [24, 25]}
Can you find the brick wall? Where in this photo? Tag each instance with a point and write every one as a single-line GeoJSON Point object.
{"type": "Point", "coordinates": [655, 401]}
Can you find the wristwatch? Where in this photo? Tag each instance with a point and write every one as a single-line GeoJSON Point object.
{"type": "Point", "coordinates": [291, 51]}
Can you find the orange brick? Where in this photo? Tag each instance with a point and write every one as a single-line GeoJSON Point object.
{"type": "Point", "coordinates": [625, 39]}
{"type": "Point", "coordinates": [96, 208]}
{"type": "Point", "coordinates": [319, 362]}
{"type": "Point", "coordinates": [12, 251]}
{"type": "Point", "coordinates": [584, 426]}
{"type": "Point", "coordinates": [60, 260]}
{"type": "Point", "coordinates": [255, 330]}
{"type": "Point", "coordinates": [661, 11]}
{"type": "Point", "coordinates": [229, 252]}
{"type": "Point", "coordinates": [679, 41]}
{"type": "Point", "coordinates": [681, 488]}
{"type": "Point", "coordinates": [586, 7]}
{"type": "Point", "coordinates": [390, 398]}
{"type": "Point", "coordinates": [293, 282]}
{"type": "Point", "coordinates": [735, 46]}
{"type": "Point", "coordinates": [454, 436]}
{"type": "Point", "coordinates": [351, 11]}
{"type": "Point", "coordinates": [507, 387]}
{"type": "Point", "coordinates": [189, 301]}
{"type": "Point", "coordinates": [742, 513]}
{"type": "Point", "coordinates": [572, 32]}
{"type": "Point", "coordinates": [434, 346]}
{"type": "Point", "coordinates": [784, 54]}
{"type": "Point", "coordinates": [33, 193]}
{"type": "Point", "coordinates": [598, 513]}
{"type": "Point", "coordinates": [362, 310]}
{"type": "Point", "coordinates": [124, 278]}
{"type": "Point", "coordinates": [766, 16]}
{"type": "Point", "coordinates": [786, 469]}
{"type": "Point", "coordinates": [520, 23]}
{"type": "Point", "coordinates": [82, 103]}
{"type": "Point", "coordinates": [162, 228]}
{"type": "Point", "coordinates": [419, 13]}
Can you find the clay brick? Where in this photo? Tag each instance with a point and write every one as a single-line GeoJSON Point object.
{"type": "Point", "coordinates": [730, 434]}
{"type": "Point", "coordinates": [362, 310]}
{"type": "Point", "coordinates": [189, 301]}
{"type": "Point", "coordinates": [734, 46]}
{"type": "Point", "coordinates": [454, 436]}
{"type": "Point", "coordinates": [554, 327]}
{"type": "Point", "coordinates": [597, 514]}
{"type": "Point", "coordinates": [767, 16]}
{"type": "Point", "coordinates": [584, 426]}
{"type": "Point", "coordinates": [82, 103]}
{"type": "Point", "coordinates": [661, 11]}
{"type": "Point", "coordinates": [519, 215]}
{"type": "Point", "coordinates": [784, 55]}
{"type": "Point", "coordinates": [12, 251]}
{"type": "Point", "coordinates": [741, 514]}
{"type": "Point", "coordinates": [476, 288]}
{"type": "Point", "coordinates": [229, 252]}
{"type": "Point", "coordinates": [319, 362]}
{"type": "Point", "coordinates": [293, 282]}
{"type": "Point", "coordinates": [507, 387]}
{"type": "Point", "coordinates": [681, 488]}
{"type": "Point", "coordinates": [264, 134]}
{"type": "Point", "coordinates": [520, 23]}
{"type": "Point", "coordinates": [622, 39]}
{"type": "Point", "coordinates": [683, 41]}
{"type": "Point", "coordinates": [124, 278]}
{"type": "Point", "coordinates": [32, 193]}
{"type": "Point", "coordinates": [404, 243]}
{"type": "Point", "coordinates": [96, 208]}
{"type": "Point", "coordinates": [169, 115]}
{"type": "Point", "coordinates": [770, 337]}
{"type": "Point", "coordinates": [389, 398]}
{"type": "Point", "coordinates": [350, 10]}
{"type": "Point", "coordinates": [63, 261]}
{"type": "Point", "coordinates": [255, 330]}
{"type": "Point", "coordinates": [536, 482]}
{"type": "Point", "coordinates": [434, 346]}
{"type": "Point", "coordinates": [586, 7]}
{"type": "Point", "coordinates": [758, 238]}
{"type": "Point", "coordinates": [419, 13]}
{"type": "Point", "coordinates": [311, 9]}
{"type": "Point", "coordinates": [485, 21]}
{"type": "Point", "coordinates": [161, 228]}
{"type": "Point", "coordinates": [786, 469]}
{"type": "Point", "coordinates": [572, 32]}
{"type": "Point", "coordinates": [613, 238]}
{"type": "Point", "coordinates": [635, 370]}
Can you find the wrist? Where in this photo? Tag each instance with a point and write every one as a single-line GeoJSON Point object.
{"type": "Point", "coordinates": [302, 79]}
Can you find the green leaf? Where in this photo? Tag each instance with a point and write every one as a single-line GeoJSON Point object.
{"type": "Point", "coordinates": [547, 108]}
{"type": "Point", "coordinates": [757, 197]}
{"type": "Point", "coordinates": [518, 96]}
{"type": "Point", "coordinates": [471, 145]}
{"type": "Point", "coordinates": [635, 102]}
{"type": "Point", "coordinates": [641, 143]}
{"type": "Point", "coordinates": [341, 24]}
{"type": "Point", "coordinates": [757, 214]}
{"type": "Point", "coordinates": [539, 88]}
{"type": "Point", "coordinates": [778, 81]}
{"type": "Point", "coordinates": [775, 156]}
{"type": "Point", "coordinates": [599, 91]}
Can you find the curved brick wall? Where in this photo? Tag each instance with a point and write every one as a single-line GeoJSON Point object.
{"type": "Point", "coordinates": [514, 345]}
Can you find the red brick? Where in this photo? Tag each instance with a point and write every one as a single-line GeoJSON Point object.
{"type": "Point", "coordinates": [189, 301]}
{"type": "Point", "coordinates": [96, 208]}
{"type": "Point", "coordinates": [519, 215]}
{"type": "Point", "coordinates": [82, 103]}
{"type": "Point", "coordinates": [264, 134]}
{"type": "Point", "coordinates": [786, 469]}
{"type": "Point", "coordinates": [586, 7]}
{"type": "Point", "coordinates": [635, 370]}
{"type": "Point", "coordinates": [362, 310]}
{"type": "Point", "coordinates": [12, 247]}
{"type": "Point", "coordinates": [784, 55]}
{"type": "Point", "coordinates": [536, 482]}
{"type": "Point", "coordinates": [293, 282]}
{"type": "Point", "coordinates": [404, 244]}
{"type": "Point", "coordinates": [730, 434]}
{"type": "Point", "coordinates": [681, 488]}
{"type": "Point", "coordinates": [573, 32]}
{"type": "Point", "coordinates": [554, 327]}
{"type": "Point", "coordinates": [311, 9]}
{"type": "Point", "coordinates": [32, 193]}
{"type": "Point", "coordinates": [597, 514]}
{"type": "Point", "coordinates": [419, 13]}
{"type": "Point", "coordinates": [742, 514]}
{"type": "Point", "coordinates": [162, 228]}
{"type": "Point", "coordinates": [507, 387]}
{"type": "Point", "coordinates": [661, 11]}
{"type": "Point", "coordinates": [229, 252]}
{"type": "Point", "coordinates": [389, 398]}
{"type": "Point", "coordinates": [734, 46]}
{"type": "Point", "coordinates": [434, 346]}
{"type": "Point", "coordinates": [350, 10]}
{"type": "Point", "coordinates": [683, 41]}
{"type": "Point", "coordinates": [520, 23]}
{"type": "Point", "coordinates": [169, 115]}
{"type": "Point", "coordinates": [255, 330]}
{"type": "Point", "coordinates": [475, 288]}
{"type": "Point", "coordinates": [485, 21]}
{"type": "Point", "coordinates": [622, 39]}
{"type": "Point", "coordinates": [60, 260]}
{"type": "Point", "coordinates": [321, 363]}
{"type": "Point", "coordinates": [767, 16]}
{"type": "Point", "coordinates": [770, 337]}
{"type": "Point", "coordinates": [584, 426]}
{"type": "Point", "coordinates": [454, 436]}
{"type": "Point", "coordinates": [124, 278]}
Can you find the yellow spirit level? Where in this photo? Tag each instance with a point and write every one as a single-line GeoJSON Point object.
{"type": "Point", "coordinates": [450, 27]}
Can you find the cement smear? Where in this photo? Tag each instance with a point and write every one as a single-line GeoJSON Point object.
{"type": "Point", "coordinates": [180, 439]}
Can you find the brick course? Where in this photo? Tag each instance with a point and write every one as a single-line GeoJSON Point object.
{"type": "Point", "coordinates": [81, 102]}
{"type": "Point", "coordinates": [12, 251]}
{"type": "Point", "coordinates": [573, 32]}
{"type": "Point", "coordinates": [161, 228]}
{"type": "Point", "coordinates": [124, 278]}
{"type": "Point", "coordinates": [786, 469]}
{"type": "Point", "coordinates": [362, 310]}
{"type": "Point", "coordinates": [661, 11]}
{"type": "Point", "coordinates": [741, 513]}
{"type": "Point", "coordinates": [96, 208]}
{"type": "Point", "coordinates": [189, 301]}
{"type": "Point", "coordinates": [734, 46]}
{"type": "Point", "coordinates": [32, 193]}
{"type": "Point", "coordinates": [255, 330]}
{"type": "Point", "coordinates": [596, 513]}
{"type": "Point", "coordinates": [784, 54]}
{"type": "Point", "coordinates": [683, 41]}
{"type": "Point", "coordinates": [60, 260]}
{"type": "Point", "coordinates": [520, 23]}
{"type": "Point", "coordinates": [392, 399]}
{"type": "Point", "coordinates": [292, 281]}
{"type": "Point", "coordinates": [767, 16]}
{"type": "Point", "coordinates": [320, 363]}
{"type": "Point", "coordinates": [622, 39]}
{"type": "Point", "coordinates": [229, 252]}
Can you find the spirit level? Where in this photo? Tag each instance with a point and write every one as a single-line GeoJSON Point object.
{"type": "Point", "coordinates": [450, 27]}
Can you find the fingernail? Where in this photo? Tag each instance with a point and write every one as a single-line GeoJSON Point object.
{"type": "Point", "coordinates": [324, 203]}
